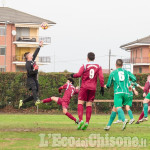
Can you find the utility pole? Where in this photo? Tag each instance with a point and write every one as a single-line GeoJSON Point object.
{"type": "Point", "coordinates": [110, 59]}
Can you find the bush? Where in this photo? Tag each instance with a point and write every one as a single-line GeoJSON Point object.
{"type": "Point", "coordinates": [13, 88]}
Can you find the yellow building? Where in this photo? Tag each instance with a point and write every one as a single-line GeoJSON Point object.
{"type": "Point", "coordinates": [19, 33]}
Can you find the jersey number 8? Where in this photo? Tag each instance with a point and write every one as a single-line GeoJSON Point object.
{"type": "Point", "coordinates": [121, 75]}
{"type": "Point", "coordinates": [91, 76]}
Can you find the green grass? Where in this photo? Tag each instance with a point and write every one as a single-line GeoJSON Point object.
{"type": "Point", "coordinates": [21, 132]}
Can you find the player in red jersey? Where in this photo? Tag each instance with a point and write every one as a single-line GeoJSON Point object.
{"type": "Point", "coordinates": [70, 90]}
{"type": "Point", "coordinates": [89, 73]}
{"type": "Point", "coordinates": [146, 91]}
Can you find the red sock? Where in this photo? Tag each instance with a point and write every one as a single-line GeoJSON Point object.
{"type": "Point", "coordinates": [80, 112]}
{"type": "Point", "coordinates": [47, 100]}
{"type": "Point", "coordinates": [88, 113]}
{"type": "Point", "coordinates": [70, 116]}
{"type": "Point", "coordinates": [141, 116]}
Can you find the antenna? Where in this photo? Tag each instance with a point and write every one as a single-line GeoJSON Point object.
{"type": "Point", "coordinates": [3, 3]}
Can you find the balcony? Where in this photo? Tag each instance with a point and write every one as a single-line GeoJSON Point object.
{"type": "Point", "coordinates": [138, 61]}
{"type": "Point", "coordinates": [31, 41]}
{"type": "Point", "coordinates": [19, 60]}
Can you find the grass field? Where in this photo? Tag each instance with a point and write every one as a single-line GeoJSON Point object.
{"type": "Point", "coordinates": [21, 132]}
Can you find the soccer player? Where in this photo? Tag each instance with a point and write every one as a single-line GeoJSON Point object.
{"type": "Point", "coordinates": [146, 102]}
{"type": "Point", "coordinates": [89, 73]}
{"type": "Point", "coordinates": [70, 90]}
{"type": "Point", "coordinates": [120, 79]}
{"type": "Point", "coordinates": [32, 72]}
{"type": "Point", "coordinates": [129, 103]}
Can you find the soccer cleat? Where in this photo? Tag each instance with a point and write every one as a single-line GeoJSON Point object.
{"type": "Point", "coordinates": [125, 124]}
{"type": "Point", "coordinates": [37, 102]}
{"type": "Point", "coordinates": [138, 122]}
{"type": "Point", "coordinates": [20, 103]}
{"type": "Point", "coordinates": [107, 128]}
{"type": "Point", "coordinates": [131, 121]}
{"type": "Point", "coordinates": [77, 121]}
{"type": "Point", "coordinates": [80, 124]}
{"type": "Point", "coordinates": [118, 121]}
{"type": "Point", "coordinates": [85, 126]}
{"type": "Point", "coordinates": [144, 119]}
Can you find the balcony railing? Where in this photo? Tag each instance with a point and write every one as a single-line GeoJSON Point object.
{"type": "Point", "coordinates": [137, 60]}
{"type": "Point", "coordinates": [33, 39]}
{"type": "Point", "coordinates": [46, 59]}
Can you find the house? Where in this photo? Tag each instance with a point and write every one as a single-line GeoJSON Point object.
{"type": "Point", "coordinates": [19, 33]}
{"type": "Point", "coordinates": [139, 61]}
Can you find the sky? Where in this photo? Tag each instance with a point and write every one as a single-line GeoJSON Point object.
{"type": "Point", "coordinates": [84, 26]}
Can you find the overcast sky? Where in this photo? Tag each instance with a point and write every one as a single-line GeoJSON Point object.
{"type": "Point", "coordinates": [87, 25]}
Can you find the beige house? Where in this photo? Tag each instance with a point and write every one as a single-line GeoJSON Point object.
{"type": "Point", "coordinates": [139, 61]}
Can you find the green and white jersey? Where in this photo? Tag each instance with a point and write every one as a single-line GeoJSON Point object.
{"type": "Point", "coordinates": [120, 79]}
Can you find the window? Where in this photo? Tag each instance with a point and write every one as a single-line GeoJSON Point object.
{"type": "Point", "coordinates": [140, 70]}
{"type": "Point", "coordinates": [2, 69]}
{"type": "Point", "coordinates": [23, 32]}
{"type": "Point", "coordinates": [2, 51]}
{"type": "Point", "coordinates": [2, 31]}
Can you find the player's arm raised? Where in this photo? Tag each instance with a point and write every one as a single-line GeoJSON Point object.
{"type": "Point", "coordinates": [101, 79]}
{"type": "Point", "coordinates": [37, 50]}
{"type": "Point", "coordinates": [79, 74]}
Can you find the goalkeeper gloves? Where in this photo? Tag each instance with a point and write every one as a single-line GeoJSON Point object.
{"type": "Point", "coordinates": [36, 67]}
{"type": "Point", "coordinates": [72, 75]}
{"type": "Point", "coordinates": [102, 91]}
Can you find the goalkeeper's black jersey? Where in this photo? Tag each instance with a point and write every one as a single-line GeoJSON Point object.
{"type": "Point", "coordinates": [31, 73]}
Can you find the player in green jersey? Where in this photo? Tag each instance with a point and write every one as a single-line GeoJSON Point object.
{"type": "Point", "coordinates": [129, 103]}
{"type": "Point", "coordinates": [120, 79]}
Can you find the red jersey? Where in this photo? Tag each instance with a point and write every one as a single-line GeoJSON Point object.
{"type": "Point", "coordinates": [89, 73]}
{"type": "Point", "coordinates": [69, 91]}
{"type": "Point", "coordinates": [147, 87]}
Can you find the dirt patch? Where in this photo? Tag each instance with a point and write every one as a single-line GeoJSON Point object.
{"type": "Point", "coordinates": [26, 130]}
{"type": "Point", "coordinates": [34, 129]}
{"type": "Point", "coordinates": [30, 110]}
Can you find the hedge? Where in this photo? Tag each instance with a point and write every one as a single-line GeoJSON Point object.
{"type": "Point", "coordinates": [13, 88]}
